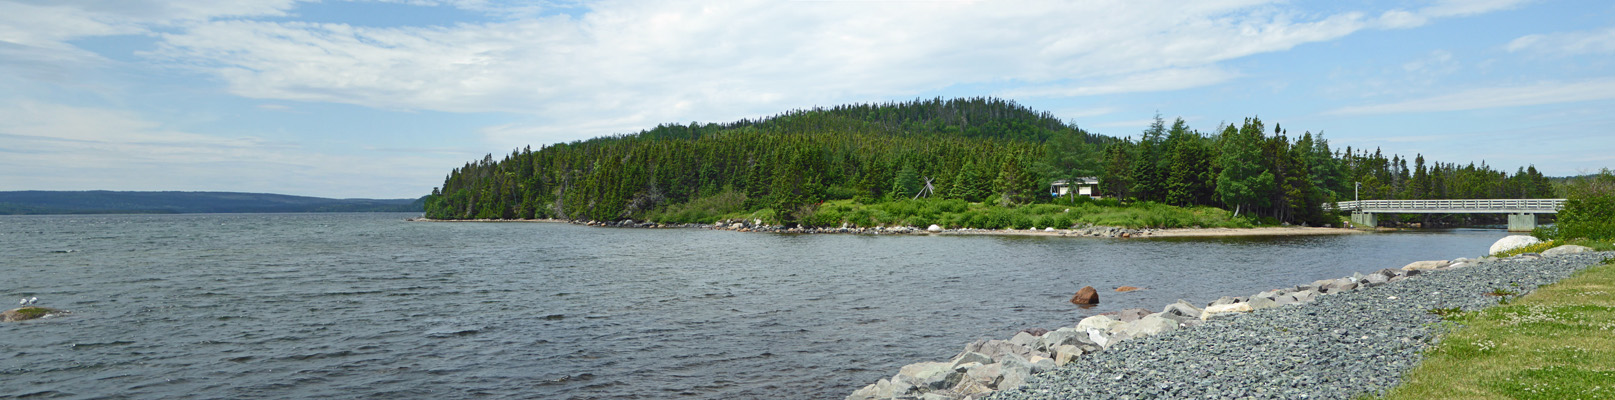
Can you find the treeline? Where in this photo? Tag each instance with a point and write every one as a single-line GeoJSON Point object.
{"type": "Point", "coordinates": [976, 149]}
{"type": "Point", "coordinates": [1285, 178]}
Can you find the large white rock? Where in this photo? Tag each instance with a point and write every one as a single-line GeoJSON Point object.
{"type": "Point", "coordinates": [1566, 249]}
{"type": "Point", "coordinates": [934, 228]}
{"type": "Point", "coordinates": [1101, 322]}
{"type": "Point", "coordinates": [1512, 242]}
{"type": "Point", "coordinates": [1225, 309]}
{"type": "Point", "coordinates": [1153, 324]}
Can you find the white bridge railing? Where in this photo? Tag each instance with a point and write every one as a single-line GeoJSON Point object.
{"type": "Point", "coordinates": [1469, 206]}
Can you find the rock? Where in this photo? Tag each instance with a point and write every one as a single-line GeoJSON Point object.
{"type": "Point", "coordinates": [1065, 353]}
{"type": "Point", "coordinates": [1014, 377]}
{"type": "Point", "coordinates": [1375, 278]}
{"type": "Point", "coordinates": [1023, 339]}
{"type": "Point", "coordinates": [933, 228]}
{"type": "Point", "coordinates": [1125, 289]}
{"type": "Point", "coordinates": [971, 357]}
{"type": "Point", "coordinates": [1035, 331]}
{"type": "Point", "coordinates": [1305, 295]}
{"type": "Point", "coordinates": [970, 386]}
{"type": "Point", "coordinates": [988, 375]}
{"type": "Point", "coordinates": [1513, 242]}
{"type": "Point", "coordinates": [1566, 249]}
{"type": "Point", "coordinates": [1153, 324]}
{"type": "Point", "coordinates": [932, 375]}
{"type": "Point", "coordinates": [1426, 265]}
{"type": "Point", "coordinates": [1225, 300]}
{"type": "Point", "coordinates": [1040, 364]}
{"type": "Point", "coordinates": [993, 348]}
{"type": "Point", "coordinates": [1048, 229]}
{"type": "Point", "coordinates": [1086, 296]}
{"type": "Point", "coordinates": [867, 393]}
{"type": "Point", "coordinates": [1100, 338]}
{"type": "Point", "coordinates": [1181, 311]}
{"type": "Point", "coordinates": [1132, 314]}
{"type": "Point", "coordinates": [1338, 285]}
{"type": "Point", "coordinates": [1100, 322]}
{"type": "Point", "coordinates": [1225, 309]}
{"type": "Point", "coordinates": [1258, 303]}
{"type": "Point", "coordinates": [29, 312]}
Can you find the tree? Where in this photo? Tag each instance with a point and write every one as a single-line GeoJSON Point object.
{"type": "Point", "coordinates": [1243, 183]}
{"type": "Point", "coordinates": [1068, 156]}
{"type": "Point", "coordinates": [1016, 184]}
{"type": "Point", "coordinates": [970, 185]}
{"type": "Point", "coordinates": [907, 183]}
{"type": "Point", "coordinates": [1189, 177]}
{"type": "Point", "coordinates": [1147, 179]}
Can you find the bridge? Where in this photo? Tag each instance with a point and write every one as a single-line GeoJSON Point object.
{"type": "Point", "coordinates": [1521, 212]}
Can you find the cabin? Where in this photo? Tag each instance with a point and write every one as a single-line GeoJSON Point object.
{"type": "Point", "coordinates": [1079, 187]}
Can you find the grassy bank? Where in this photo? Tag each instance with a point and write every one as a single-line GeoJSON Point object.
{"type": "Point", "coordinates": [960, 214]}
{"type": "Point", "coordinates": [1555, 343]}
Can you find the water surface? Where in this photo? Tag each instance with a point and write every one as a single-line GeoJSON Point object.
{"type": "Point", "coordinates": [371, 306]}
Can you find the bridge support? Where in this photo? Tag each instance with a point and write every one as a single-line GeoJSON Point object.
{"type": "Point", "coordinates": [1367, 220]}
{"type": "Point", "coordinates": [1521, 222]}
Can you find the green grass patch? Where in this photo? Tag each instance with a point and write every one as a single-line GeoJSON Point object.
{"type": "Point", "coordinates": [1555, 343]}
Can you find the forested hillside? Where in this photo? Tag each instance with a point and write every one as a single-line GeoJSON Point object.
{"type": "Point", "coordinates": [978, 150]}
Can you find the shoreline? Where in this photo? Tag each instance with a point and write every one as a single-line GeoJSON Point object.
{"type": "Point", "coordinates": [1095, 231]}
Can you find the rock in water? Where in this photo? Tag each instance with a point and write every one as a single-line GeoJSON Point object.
{"type": "Point", "coordinates": [1086, 296]}
{"type": "Point", "coordinates": [1128, 288]}
{"type": "Point", "coordinates": [27, 313]}
{"type": "Point", "coordinates": [1513, 242]}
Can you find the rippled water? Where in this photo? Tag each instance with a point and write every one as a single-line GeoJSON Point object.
{"type": "Point", "coordinates": [370, 306]}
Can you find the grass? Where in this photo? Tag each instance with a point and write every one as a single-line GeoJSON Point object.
{"type": "Point", "coordinates": [1544, 246]}
{"type": "Point", "coordinates": [1555, 343]}
{"type": "Point", "coordinates": [33, 312]}
{"type": "Point", "coordinates": [961, 214]}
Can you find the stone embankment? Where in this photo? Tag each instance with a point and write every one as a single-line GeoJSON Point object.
{"type": "Point", "coordinates": [1333, 338]}
{"type": "Point", "coordinates": [1081, 230]}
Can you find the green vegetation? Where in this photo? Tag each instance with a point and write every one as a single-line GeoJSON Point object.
{"type": "Point", "coordinates": [1589, 211]}
{"type": "Point", "coordinates": [1551, 344]}
{"type": "Point", "coordinates": [32, 312]}
{"type": "Point", "coordinates": [993, 154]}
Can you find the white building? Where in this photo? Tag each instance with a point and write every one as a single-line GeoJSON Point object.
{"type": "Point", "coordinates": [1083, 187]}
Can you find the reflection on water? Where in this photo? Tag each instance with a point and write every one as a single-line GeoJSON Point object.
{"type": "Point", "coordinates": [366, 305]}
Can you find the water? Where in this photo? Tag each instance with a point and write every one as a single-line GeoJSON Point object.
{"type": "Point", "coordinates": [370, 306]}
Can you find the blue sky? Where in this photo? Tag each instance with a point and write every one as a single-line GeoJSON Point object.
{"type": "Point", "coordinates": [380, 99]}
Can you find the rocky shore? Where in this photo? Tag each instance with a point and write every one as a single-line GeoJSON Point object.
{"type": "Point", "coordinates": [1335, 339]}
{"type": "Point", "coordinates": [1075, 231]}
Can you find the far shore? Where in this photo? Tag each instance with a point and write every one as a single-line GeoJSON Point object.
{"type": "Point", "coordinates": [1133, 233]}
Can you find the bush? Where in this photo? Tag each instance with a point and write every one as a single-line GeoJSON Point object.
{"type": "Point", "coordinates": [1589, 210]}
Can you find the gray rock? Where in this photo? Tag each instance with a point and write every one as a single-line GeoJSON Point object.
{"type": "Point", "coordinates": [1305, 296]}
{"type": "Point", "coordinates": [1023, 339]}
{"type": "Point", "coordinates": [1566, 249]}
{"type": "Point", "coordinates": [1014, 377]}
{"type": "Point", "coordinates": [866, 393]}
{"type": "Point", "coordinates": [1375, 278]}
{"type": "Point", "coordinates": [1339, 285]}
{"type": "Point", "coordinates": [1153, 324]}
{"type": "Point", "coordinates": [1100, 322]}
{"type": "Point", "coordinates": [1426, 265]}
{"type": "Point", "coordinates": [1225, 300]}
{"type": "Point", "coordinates": [1061, 337]}
{"type": "Point", "coordinates": [988, 375]}
{"type": "Point", "coordinates": [1182, 309]}
{"type": "Point", "coordinates": [1132, 314]}
{"type": "Point", "coordinates": [971, 357]}
{"type": "Point", "coordinates": [1258, 303]}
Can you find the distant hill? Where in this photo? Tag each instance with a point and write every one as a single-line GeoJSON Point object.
{"type": "Point", "coordinates": [109, 202]}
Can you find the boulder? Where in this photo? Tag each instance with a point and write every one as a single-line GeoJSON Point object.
{"type": "Point", "coordinates": [1128, 288]}
{"type": "Point", "coordinates": [1132, 314]}
{"type": "Point", "coordinates": [1375, 278]}
{"type": "Point", "coordinates": [29, 312]}
{"type": "Point", "coordinates": [1100, 322]}
{"type": "Point", "coordinates": [1061, 337]}
{"type": "Point", "coordinates": [987, 374]}
{"type": "Point", "coordinates": [1566, 249]}
{"type": "Point", "coordinates": [1258, 303]}
{"type": "Point", "coordinates": [1225, 309]}
{"type": "Point", "coordinates": [971, 357]}
{"type": "Point", "coordinates": [1014, 377]}
{"type": "Point", "coordinates": [1225, 300]}
{"type": "Point", "coordinates": [1181, 311]}
{"type": "Point", "coordinates": [1101, 338]}
{"type": "Point", "coordinates": [1426, 265]}
{"type": "Point", "coordinates": [1153, 324]}
{"type": "Point", "coordinates": [1512, 242]}
{"type": "Point", "coordinates": [994, 348]}
{"type": "Point", "coordinates": [934, 228]}
{"type": "Point", "coordinates": [931, 375]}
{"type": "Point", "coordinates": [1086, 296]}
{"type": "Point", "coordinates": [1064, 354]}
{"type": "Point", "coordinates": [1305, 295]}
{"type": "Point", "coordinates": [1339, 285]}
{"type": "Point", "coordinates": [867, 393]}
{"type": "Point", "coordinates": [1023, 339]}
{"type": "Point", "coordinates": [1041, 364]}
{"type": "Point", "coordinates": [970, 386]}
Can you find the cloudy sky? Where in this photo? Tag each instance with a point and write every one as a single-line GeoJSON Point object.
{"type": "Point", "coordinates": [380, 99]}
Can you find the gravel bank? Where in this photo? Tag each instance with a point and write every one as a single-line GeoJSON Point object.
{"type": "Point", "coordinates": [1336, 347]}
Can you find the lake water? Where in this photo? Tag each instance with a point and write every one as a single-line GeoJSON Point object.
{"type": "Point", "coordinates": [371, 306]}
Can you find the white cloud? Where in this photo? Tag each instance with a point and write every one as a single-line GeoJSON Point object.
{"type": "Point", "coordinates": [52, 146]}
{"type": "Point", "coordinates": [1567, 43]}
{"type": "Point", "coordinates": [1497, 97]}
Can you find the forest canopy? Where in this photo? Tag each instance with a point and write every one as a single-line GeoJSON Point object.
{"type": "Point", "coordinates": [977, 150]}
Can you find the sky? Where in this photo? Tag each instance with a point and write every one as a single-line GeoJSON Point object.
{"type": "Point", "coordinates": [382, 98]}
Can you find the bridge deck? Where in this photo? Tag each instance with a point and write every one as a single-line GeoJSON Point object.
{"type": "Point", "coordinates": [1466, 206]}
